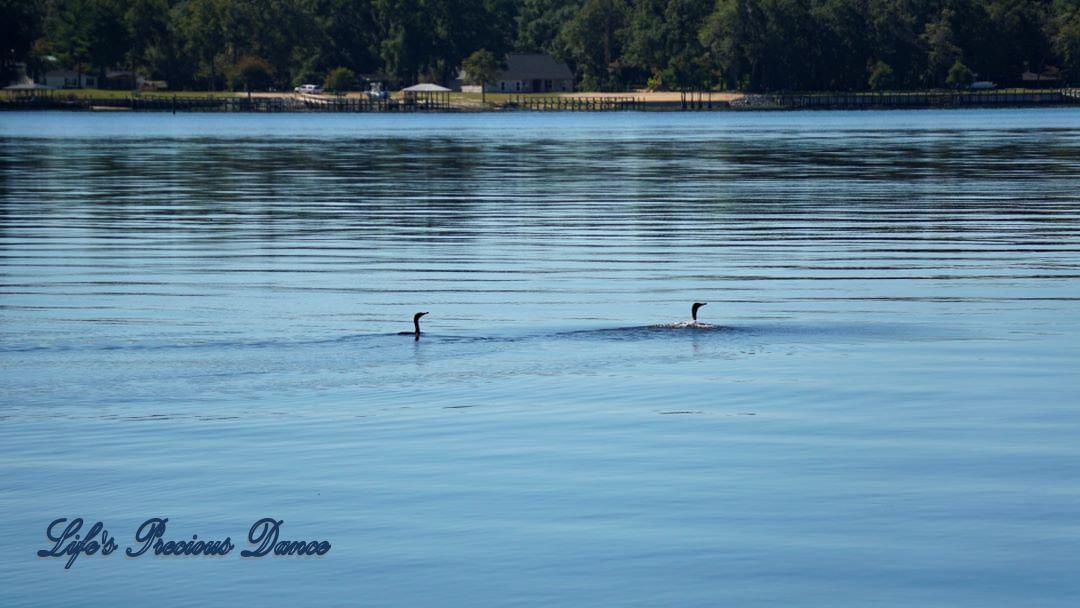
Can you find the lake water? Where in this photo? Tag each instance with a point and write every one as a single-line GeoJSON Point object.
{"type": "Point", "coordinates": [198, 319]}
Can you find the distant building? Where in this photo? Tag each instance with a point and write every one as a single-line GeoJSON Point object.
{"type": "Point", "coordinates": [19, 76]}
{"type": "Point", "coordinates": [527, 73]}
{"type": "Point", "coordinates": [68, 79]}
{"type": "Point", "coordinates": [1050, 77]}
{"type": "Point", "coordinates": [426, 94]}
{"type": "Point", "coordinates": [122, 79]}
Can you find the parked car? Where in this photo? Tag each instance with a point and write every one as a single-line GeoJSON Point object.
{"type": "Point", "coordinates": [982, 85]}
{"type": "Point", "coordinates": [309, 88]}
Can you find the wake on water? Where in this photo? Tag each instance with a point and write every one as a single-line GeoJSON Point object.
{"type": "Point", "coordinates": [688, 325]}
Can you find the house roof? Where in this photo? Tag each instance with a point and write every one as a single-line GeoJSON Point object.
{"type": "Point", "coordinates": [66, 73]}
{"type": "Point", "coordinates": [425, 87]}
{"type": "Point", "coordinates": [1047, 75]}
{"type": "Point", "coordinates": [529, 66]}
{"type": "Point", "coordinates": [22, 86]}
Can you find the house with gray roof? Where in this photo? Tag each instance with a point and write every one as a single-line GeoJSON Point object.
{"type": "Point", "coordinates": [69, 79]}
{"type": "Point", "coordinates": [527, 73]}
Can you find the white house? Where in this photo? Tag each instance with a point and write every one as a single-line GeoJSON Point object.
{"type": "Point", "coordinates": [68, 79]}
{"type": "Point", "coordinates": [527, 73]}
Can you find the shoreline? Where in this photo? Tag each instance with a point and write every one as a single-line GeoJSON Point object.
{"type": "Point", "coordinates": [694, 101]}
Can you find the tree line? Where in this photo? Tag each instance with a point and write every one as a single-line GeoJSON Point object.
{"type": "Point", "coordinates": [754, 45]}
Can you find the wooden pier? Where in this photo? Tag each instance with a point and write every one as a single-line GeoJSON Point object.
{"type": "Point", "coordinates": [917, 99]}
{"type": "Point", "coordinates": [324, 103]}
{"type": "Point", "coordinates": [687, 101]}
{"type": "Point", "coordinates": [700, 100]}
{"type": "Point", "coordinates": [60, 100]}
{"type": "Point", "coordinates": [560, 103]}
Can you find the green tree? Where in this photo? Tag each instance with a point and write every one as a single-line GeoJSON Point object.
{"type": "Point", "coordinates": [340, 79]}
{"type": "Point", "coordinates": [772, 43]}
{"type": "Point", "coordinates": [1064, 31]}
{"type": "Point", "coordinates": [481, 68]}
{"type": "Point", "coordinates": [893, 29]}
{"type": "Point", "coordinates": [153, 46]}
{"type": "Point", "coordinates": [729, 36]}
{"type": "Point", "coordinates": [610, 44]}
{"type": "Point", "coordinates": [881, 77]}
{"type": "Point", "coordinates": [592, 42]}
{"type": "Point", "coordinates": [20, 27]}
{"type": "Point", "coordinates": [88, 34]}
{"type": "Point", "coordinates": [539, 23]}
{"type": "Point", "coordinates": [467, 25]}
{"type": "Point", "coordinates": [201, 26]}
{"type": "Point", "coordinates": [942, 53]}
{"type": "Point", "coordinates": [251, 73]}
{"type": "Point", "coordinates": [69, 35]}
{"type": "Point", "coordinates": [844, 43]}
{"type": "Point", "coordinates": [405, 46]}
{"type": "Point", "coordinates": [343, 33]}
{"type": "Point", "coordinates": [662, 42]}
{"type": "Point", "coordinates": [1022, 23]}
{"type": "Point", "coordinates": [959, 75]}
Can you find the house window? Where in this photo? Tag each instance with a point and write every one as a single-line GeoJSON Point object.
{"type": "Point", "coordinates": [518, 85]}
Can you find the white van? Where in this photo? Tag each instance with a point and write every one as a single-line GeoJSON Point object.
{"type": "Point", "coordinates": [309, 88]}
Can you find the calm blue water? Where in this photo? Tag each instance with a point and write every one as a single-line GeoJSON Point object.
{"type": "Point", "coordinates": [198, 319]}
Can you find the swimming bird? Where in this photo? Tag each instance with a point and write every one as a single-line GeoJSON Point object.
{"type": "Point", "coordinates": [416, 324]}
{"type": "Point", "coordinates": [693, 310]}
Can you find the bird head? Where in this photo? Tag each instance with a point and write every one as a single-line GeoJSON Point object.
{"type": "Point", "coordinates": [694, 309]}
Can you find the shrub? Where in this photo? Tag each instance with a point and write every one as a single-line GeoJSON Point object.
{"type": "Point", "coordinates": [959, 75]}
{"type": "Point", "coordinates": [251, 73]}
{"type": "Point", "coordinates": [881, 76]}
{"type": "Point", "coordinates": [340, 80]}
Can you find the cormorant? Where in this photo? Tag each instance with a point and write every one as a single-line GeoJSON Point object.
{"type": "Point", "coordinates": [693, 311]}
{"type": "Point", "coordinates": [416, 324]}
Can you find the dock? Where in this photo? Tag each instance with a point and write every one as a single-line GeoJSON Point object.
{"type": "Point", "coordinates": [684, 101]}
{"type": "Point", "coordinates": [61, 100]}
{"type": "Point", "coordinates": [914, 99]}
